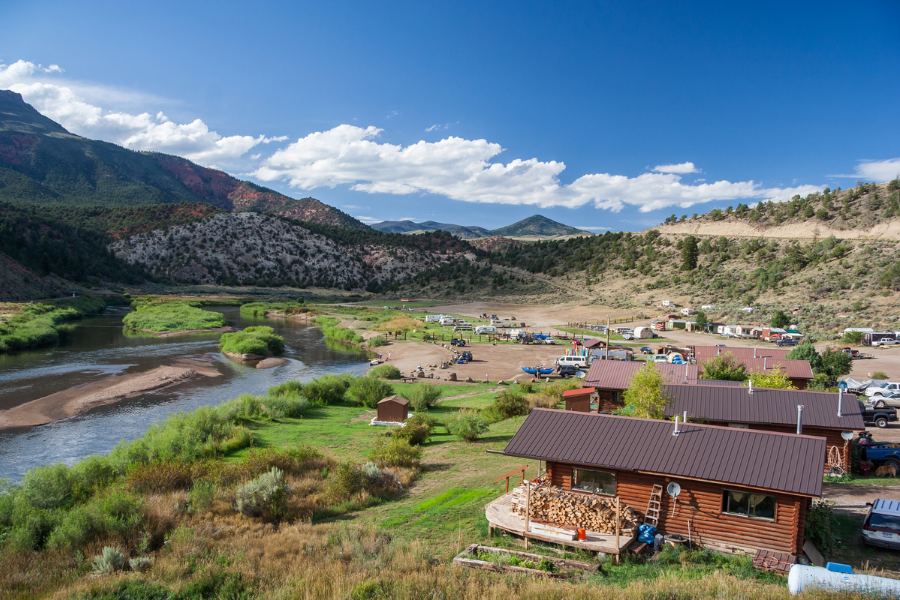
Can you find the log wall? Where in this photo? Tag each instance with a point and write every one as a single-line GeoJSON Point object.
{"type": "Point", "coordinates": [700, 503]}
{"type": "Point", "coordinates": [606, 400]}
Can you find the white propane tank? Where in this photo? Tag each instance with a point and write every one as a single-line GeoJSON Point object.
{"type": "Point", "coordinates": [802, 578]}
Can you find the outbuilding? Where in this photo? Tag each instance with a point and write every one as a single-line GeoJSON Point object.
{"type": "Point", "coordinates": [834, 417]}
{"type": "Point", "coordinates": [393, 409]}
{"type": "Point", "coordinates": [579, 400]}
{"type": "Point", "coordinates": [738, 490]}
{"type": "Point", "coordinates": [644, 333]}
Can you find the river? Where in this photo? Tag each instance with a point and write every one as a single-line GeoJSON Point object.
{"type": "Point", "coordinates": [97, 347]}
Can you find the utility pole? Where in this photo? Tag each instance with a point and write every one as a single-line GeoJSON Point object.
{"type": "Point", "coordinates": [607, 337]}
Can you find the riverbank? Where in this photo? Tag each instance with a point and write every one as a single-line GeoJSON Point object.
{"type": "Point", "coordinates": [82, 398]}
{"type": "Point", "coordinates": [25, 326]}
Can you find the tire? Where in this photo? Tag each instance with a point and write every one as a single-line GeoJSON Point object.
{"type": "Point", "coordinates": [879, 404]}
{"type": "Point", "coordinates": [894, 462]}
{"type": "Point", "coordinates": [881, 422]}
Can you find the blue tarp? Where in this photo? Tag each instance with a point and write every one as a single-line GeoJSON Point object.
{"type": "Point", "coordinates": [646, 533]}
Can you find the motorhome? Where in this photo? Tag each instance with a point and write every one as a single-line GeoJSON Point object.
{"type": "Point", "coordinates": [445, 321]}
{"type": "Point", "coordinates": [433, 318]}
{"type": "Point", "coordinates": [463, 326]}
{"type": "Point", "coordinates": [485, 329]}
{"type": "Point", "coordinates": [500, 322]}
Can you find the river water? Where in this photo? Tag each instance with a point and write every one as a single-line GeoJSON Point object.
{"type": "Point", "coordinates": [98, 346]}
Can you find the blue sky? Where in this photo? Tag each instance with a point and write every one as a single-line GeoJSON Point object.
{"type": "Point", "coordinates": [599, 115]}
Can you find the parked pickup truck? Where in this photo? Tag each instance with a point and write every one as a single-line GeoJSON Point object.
{"type": "Point", "coordinates": [879, 416]}
{"type": "Point", "coordinates": [881, 391]}
{"type": "Point", "coordinates": [879, 453]}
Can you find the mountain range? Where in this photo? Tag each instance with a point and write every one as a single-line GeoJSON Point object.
{"type": "Point", "coordinates": [43, 164]}
{"type": "Point", "coordinates": [533, 226]}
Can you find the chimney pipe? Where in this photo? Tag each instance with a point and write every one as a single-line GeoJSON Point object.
{"type": "Point", "coordinates": [685, 417]}
{"type": "Point", "coordinates": [751, 386]}
{"type": "Point", "coordinates": [718, 352]}
{"type": "Point", "coordinates": [799, 419]}
{"type": "Point", "coordinates": [840, 400]}
{"type": "Point", "coordinates": [765, 362]}
{"type": "Point", "coordinates": [754, 353]}
{"type": "Point", "coordinates": [676, 426]}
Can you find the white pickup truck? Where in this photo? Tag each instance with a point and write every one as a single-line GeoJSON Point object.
{"type": "Point", "coordinates": [889, 388]}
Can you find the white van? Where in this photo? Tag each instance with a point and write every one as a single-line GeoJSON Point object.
{"type": "Point", "coordinates": [575, 361]}
{"type": "Point", "coordinates": [448, 321]}
{"type": "Point", "coordinates": [485, 329]}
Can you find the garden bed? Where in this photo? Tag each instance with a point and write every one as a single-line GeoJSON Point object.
{"type": "Point", "coordinates": [510, 561]}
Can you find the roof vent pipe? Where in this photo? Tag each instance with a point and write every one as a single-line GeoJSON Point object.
{"type": "Point", "coordinates": [840, 400]}
{"type": "Point", "coordinates": [718, 352]}
{"type": "Point", "coordinates": [751, 386]}
{"type": "Point", "coordinates": [685, 417]}
{"type": "Point", "coordinates": [765, 362]}
{"type": "Point", "coordinates": [676, 427]}
{"type": "Point", "coordinates": [799, 419]}
{"type": "Point", "coordinates": [754, 353]}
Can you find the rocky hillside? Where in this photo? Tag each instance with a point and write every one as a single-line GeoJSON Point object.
{"type": "Point", "coordinates": [867, 211]}
{"type": "Point", "coordinates": [265, 250]}
{"type": "Point", "coordinates": [43, 164]}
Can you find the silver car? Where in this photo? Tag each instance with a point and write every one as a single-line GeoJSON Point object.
{"type": "Point", "coordinates": [891, 399]}
{"type": "Point", "coordinates": [882, 524]}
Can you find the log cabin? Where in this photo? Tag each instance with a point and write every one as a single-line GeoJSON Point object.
{"type": "Point", "coordinates": [825, 414]}
{"type": "Point", "coordinates": [610, 379]}
{"type": "Point", "coordinates": [740, 489]}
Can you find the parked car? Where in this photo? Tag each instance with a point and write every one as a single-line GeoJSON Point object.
{"type": "Point", "coordinates": [578, 361]}
{"type": "Point", "coordinates": [549, 340]}
{"type": "Point", "coordinates": [566, 371]}
{"type": "Point", "coordinates": [646, 350]}
{"type": "Point", "coordinates": [891, 400]}
{"type": "Point", "coordinates": [456, 342]}
{"type": "Point", "coordinates": [880, 417]}
{"type": "Point", "coordinates": [885, 342]}
{"type": "Point", "coordinates": [786, 342]}
{"type": "Point", "coordinates": [881, 391]}
{"type": "Point", "coordinates": [660, 358]}
{"type": "Point", "coordinates": [627, 336]}
{"type": "Point", "coordinates": [467, 355]}
{"type": "Point", "coordinates": [882, 524]}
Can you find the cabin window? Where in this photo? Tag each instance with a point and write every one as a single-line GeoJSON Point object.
{"type": "Point", "coordinates": [746, 504]}
{"type": "Point", "coordinates": [595, 482]}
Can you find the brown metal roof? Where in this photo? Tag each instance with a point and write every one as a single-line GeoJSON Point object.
{"type": "Point", "coordinates": [396, 400]}
{"type": "Point", "coordinates": [795, 369]}
{"type": "Point", "coordinates": [778, 407]}
{"type": "Point", "coordinates": [721, 382]}
{"type": "Point", "coordinates": [593, 342]}
{"type": "Point", "coordinates": [707, 352]}
{"type": "Point", "coordinates": [617, 374]}
{"type": "Point", "coordinates": [746, 457]}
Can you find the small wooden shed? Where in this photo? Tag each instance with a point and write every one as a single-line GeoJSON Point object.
{"type": "Point", "coordinates": [579, 400]}
{"type": "Point", "coordinates": [393, 409]}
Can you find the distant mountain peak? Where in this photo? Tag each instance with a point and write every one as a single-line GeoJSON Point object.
{"type": "Point", "coordinates": [18, 116]}
{"type": "Point", "coordinates": [535, 225]}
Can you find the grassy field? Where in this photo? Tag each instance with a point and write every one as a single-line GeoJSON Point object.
{"type": "Point", "coordinates": [171, 316]}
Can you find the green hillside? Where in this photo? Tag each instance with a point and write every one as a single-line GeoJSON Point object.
{"type": "Point", "coordinates": [536, 225]}
{"type": "Point", "coordinates": [539, 226]}
{"type": "Point", "coordinates": [43, 164]}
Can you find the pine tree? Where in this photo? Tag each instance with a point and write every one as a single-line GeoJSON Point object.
{"type": "Point", "coordinates": [689, 253]}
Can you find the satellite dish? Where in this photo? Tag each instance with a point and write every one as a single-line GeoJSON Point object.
{"type": "Point", "coordinates": [673, 489]}
{"type": "Point", "coordinates": [580, 374]}
{"type": "Point", "coordinates": [847, 435]}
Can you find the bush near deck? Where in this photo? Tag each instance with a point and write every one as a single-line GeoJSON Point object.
{"type": "Point", "coordinates": [258, 339]}
{"type": "Point", "coordinates": [37, 324]}
{"type": "Point", "coordinates": [172, 316]}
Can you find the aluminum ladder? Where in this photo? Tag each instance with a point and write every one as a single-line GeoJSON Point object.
{"type": "Point", "coordinates": [651, 517]}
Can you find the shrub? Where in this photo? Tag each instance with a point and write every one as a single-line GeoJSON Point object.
{"type": "Point", "coordinates": [377, 342]}
{"type": "Point", "coordinates": [511, 404]}
{"type": "Point", "coordinates": [542, 400]}
{"type": "Point", "coordinates": [265, 496]}
{"type": "Point", "coordinates": [116, 515]}
{"type": "Point", "coordinates": [258, 340]}
{"type": "Point", "coordinates": [163, 475]}
{"type": "Point", "coordinates": [288, 389]}
{"type": "Point", "coordinates": [48, 487]}
{"type": "Point", "coordinates": [328, 389]}
{"type": "Point", "coordinates": [385, 372]}
{"type": "Point", "coordinates": [821, 526]}
{"type": "Point", "coordinates": [91, 474]}
{"type": "Point", "coordinates": [555, 390]}
{"type": "Point", "coordinates": [344, 482]}
{"type": "Point", "coordinates": [467, 425]}
{"type": "Point", "coordinates": [397, 452]}
{"type": "Point", "coordinates": [880, 375]}
{"type": "Point", "coordinates": [369, 390]}
{"type": "Point", "coordinates": [201, 496]}
{"type": "Point", "coordinates": [141, 563]}
{"type": "Point", "coordinates": [108, 561]}
{"type": "Point", "coordinates": [852, 337]}
{"type": "Point", "coordinates": [423, 396]}
{"type": "Point", "coordinates": [417, 430]}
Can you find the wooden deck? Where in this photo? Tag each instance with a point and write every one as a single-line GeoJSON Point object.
{"type": "Point", "coordinates": [499, 517]}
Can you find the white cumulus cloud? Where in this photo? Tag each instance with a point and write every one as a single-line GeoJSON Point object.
{"type": "Point", "coordinates": [879, 170]}
{"type": "Point", "coordinates": [66, 105]}
{"type": "Point", "coordinates": [463, 170]}
{"type": "Point", "coordinates": [680, 168]}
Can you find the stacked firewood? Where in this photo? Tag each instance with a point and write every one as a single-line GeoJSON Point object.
{"type": "Point", "coordinates": [588, 511]}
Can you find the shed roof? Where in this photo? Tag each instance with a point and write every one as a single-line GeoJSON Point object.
{"type": "Point", "coordinates": [777, 407]}
{"type": "Point", "coordinates": [747, 457]}
{"type": "Point", "coordinates": [707, 352]}
{"type": "Point", "coordinates": [592, 342]}
{"type": "Point", "coordinates": [585, 391]}
{"type": "Point", "coordinates": [616, 375]}
{"type": "Point", "coordinates": [395, 400]}
{"type": "Point", "coordinates": [721, 382]}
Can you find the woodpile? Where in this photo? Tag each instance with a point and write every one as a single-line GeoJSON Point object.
{"type": "Point", "coordinates": [588, 511]}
